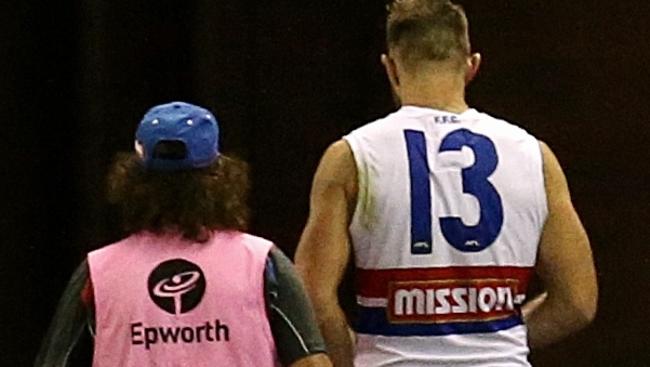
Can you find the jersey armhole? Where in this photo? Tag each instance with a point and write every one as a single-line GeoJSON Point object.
{"type": "Point", "coordinates": [542, 197]}
{"type": "Point", "coordinates": [362, 177]}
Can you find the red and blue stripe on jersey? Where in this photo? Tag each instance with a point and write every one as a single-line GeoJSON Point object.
{"type": "Point", "coordinates": [440, 301]}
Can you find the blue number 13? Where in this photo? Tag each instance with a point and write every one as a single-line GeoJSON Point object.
{"type": "Point", "coordinates": [475, 182]}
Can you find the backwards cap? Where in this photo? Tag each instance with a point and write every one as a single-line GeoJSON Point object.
{"type": "Point", "coordinates": [177, 136]}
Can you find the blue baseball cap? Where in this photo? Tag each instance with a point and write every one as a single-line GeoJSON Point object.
{"type": "Point", "coordinates": [177, 136]}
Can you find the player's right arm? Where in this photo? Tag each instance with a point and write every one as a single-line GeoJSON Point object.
{"type": "Point", "coordinates": [324, 249]}
{"type": "Point", "coordinates": [564, 264]}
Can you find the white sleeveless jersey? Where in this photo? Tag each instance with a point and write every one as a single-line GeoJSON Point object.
{"type": "Point", "coordinates": [445, 233]}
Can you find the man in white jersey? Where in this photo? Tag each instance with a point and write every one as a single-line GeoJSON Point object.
{"type": "Point", "coordinates": [449, 212]}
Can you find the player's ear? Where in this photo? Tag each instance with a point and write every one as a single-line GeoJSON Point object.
{"type": "Point", "coordinates": [473, 64]}
{"type": "Point", "coordinates": [391, 72]}
{"type": "Point", "coordinates": [393, 76]}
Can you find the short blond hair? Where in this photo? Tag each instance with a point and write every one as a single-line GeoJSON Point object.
{"type": "Point", "coordinates": [427, 30]}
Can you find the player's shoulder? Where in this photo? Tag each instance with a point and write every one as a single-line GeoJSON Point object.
{"type": "Point", "coordinates": [502, 127]}
{"type": "Point", "coordinates": [337, 165]}
{"type": "Point", "coordinates": [377, 125]}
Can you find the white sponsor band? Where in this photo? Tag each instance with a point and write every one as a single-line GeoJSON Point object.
{"type": "Point", "coordinates": [452, 300]}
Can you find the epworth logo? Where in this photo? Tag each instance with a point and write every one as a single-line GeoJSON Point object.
{"type": "Point", "coordinates": [176, 286]}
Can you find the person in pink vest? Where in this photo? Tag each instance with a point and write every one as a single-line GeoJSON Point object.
{"type": "Point", "coordinates": [187, 287]}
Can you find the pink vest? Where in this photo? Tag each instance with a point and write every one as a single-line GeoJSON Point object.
{"type": "Point", "coordinates": [164, 301]}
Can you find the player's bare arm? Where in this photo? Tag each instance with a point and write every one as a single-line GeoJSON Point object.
{"type": "Point", "coordinates": [565, 266]}
{"type": "Point", "coordinates": [316, 360]}
{"type": "Point", "coordinates": [324, 248]}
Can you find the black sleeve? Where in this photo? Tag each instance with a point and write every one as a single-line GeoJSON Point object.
{"type": "Point", "coordinates": [290, 312]}
{"type": "Point", "coordinates": [68, 341]}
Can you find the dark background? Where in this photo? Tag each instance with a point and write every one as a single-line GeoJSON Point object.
{"type": "Point", "coordinates": [286, 78]}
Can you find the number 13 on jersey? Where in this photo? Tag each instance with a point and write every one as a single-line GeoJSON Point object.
{"type": "Point", "coordinates": [472, 238]}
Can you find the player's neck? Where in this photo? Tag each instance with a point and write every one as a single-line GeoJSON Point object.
{"type": "Point", "coordinates": [445, 92]}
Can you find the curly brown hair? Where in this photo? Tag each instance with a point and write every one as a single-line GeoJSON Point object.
{"type": "Point", "coordinates": [191, 202]}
